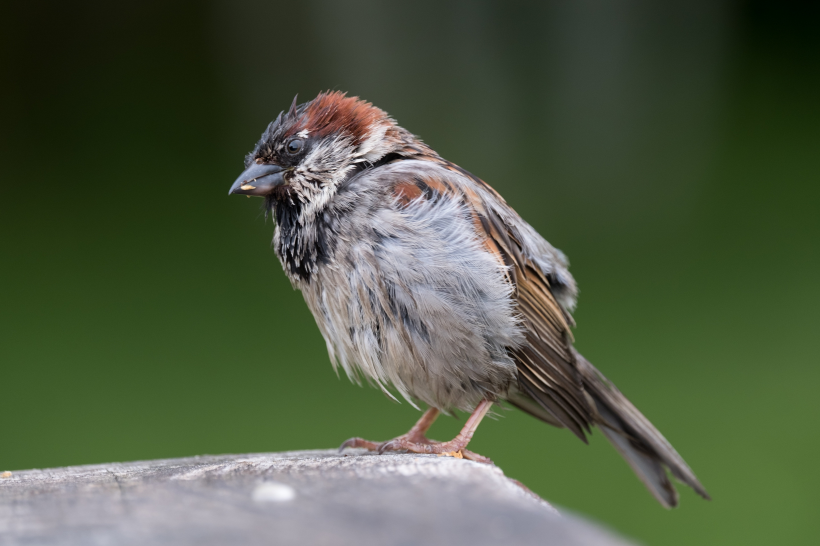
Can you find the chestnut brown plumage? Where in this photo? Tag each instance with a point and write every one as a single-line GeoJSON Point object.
{"type": "Point", "coordinates": [423, 279]}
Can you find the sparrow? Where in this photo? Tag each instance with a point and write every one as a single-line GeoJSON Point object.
{"type": "Point", "coordinates": [424, 282]}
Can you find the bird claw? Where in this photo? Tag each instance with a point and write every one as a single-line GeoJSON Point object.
{"type": "Point", "coordinates": [417, 444]}
{"type": "Point", "coordinates": [473, 456]}
{"type": "Point", "coordinates": [359, 442]}
{"type": "Point", "coordinates": [415, 440]}
{"type": "Point", "coordinates": [450, 448]}
{"type": "Point", "coordinates": [392, 445]}
{"type": "Point", "coordinates": [396, 444]}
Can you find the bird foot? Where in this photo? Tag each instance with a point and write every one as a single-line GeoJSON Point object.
{"type": "Point", "coordinates": [416, 441]}
{"type": "Point", "coordinates": [381, 447]}
{"type": "Point", "coordinates": [419, 444]}
{"type": "Point", "coordinates": [451, 448]}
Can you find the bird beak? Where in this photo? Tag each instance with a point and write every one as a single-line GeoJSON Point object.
{"type": "Point", "coordinates": [258, 179]}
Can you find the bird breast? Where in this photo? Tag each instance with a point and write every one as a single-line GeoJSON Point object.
{"type": "Point", "coordinates": [411, 298]}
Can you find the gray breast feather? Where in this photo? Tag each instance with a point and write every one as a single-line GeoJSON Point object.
{"type": "Point", "coordinates": [422, 305]}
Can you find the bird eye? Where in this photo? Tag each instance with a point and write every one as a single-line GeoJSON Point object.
{"type": "Point", "coordinates": [294, 146]}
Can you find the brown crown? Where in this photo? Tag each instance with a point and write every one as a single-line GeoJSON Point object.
{"type": "Point", "coordinates": [334, 113]}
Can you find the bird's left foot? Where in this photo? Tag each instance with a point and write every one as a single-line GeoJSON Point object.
{"type": "Point", "coordinates": [381, 447]}
{"type": "Point", "coordinates": [415, 440]}
{"type": "Point", "coordinates": [453, 448]}
{"type": "Point", "coordinates": [414, 435]}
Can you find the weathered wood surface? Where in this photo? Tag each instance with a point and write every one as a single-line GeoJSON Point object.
{"type": "Point", "coordinates": [306, 497]}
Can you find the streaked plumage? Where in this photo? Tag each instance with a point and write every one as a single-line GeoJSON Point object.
{"type": "Point", "coordinates": [423, 279]}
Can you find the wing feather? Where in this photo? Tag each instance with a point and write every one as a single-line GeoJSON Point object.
{"type": "Point", "coordinates": [546, 366]}
{"type": "Point", "coordinates": [555, 383]}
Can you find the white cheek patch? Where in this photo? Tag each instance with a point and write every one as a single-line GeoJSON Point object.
{"type": "Point", "coordinates": [320, 173]}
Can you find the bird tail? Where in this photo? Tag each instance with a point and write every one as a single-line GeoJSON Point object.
{"type": "Point", "coordinates": [636, 439]}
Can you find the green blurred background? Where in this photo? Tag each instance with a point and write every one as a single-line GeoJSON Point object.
{"type": "Point", "coordinates": [671, 150]}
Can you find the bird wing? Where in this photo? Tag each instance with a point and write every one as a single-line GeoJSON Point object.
{"type": "Point", "coordinates": [546, 366]}
{"type": "Point", "coordinates": [547, 372]}
{"type": "Point", "coordinates": [555, 382]}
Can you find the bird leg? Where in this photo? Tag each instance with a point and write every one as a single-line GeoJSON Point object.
{"type": "Point", "coordinates": [416, 442]}
{"type": "Point", "coordinates": [415, 434]}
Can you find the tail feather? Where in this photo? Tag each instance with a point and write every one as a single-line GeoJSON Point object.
{"type": "Point", "coordinates": [649, 470]}
{"type": "Point", "coordinates": [636, 439]}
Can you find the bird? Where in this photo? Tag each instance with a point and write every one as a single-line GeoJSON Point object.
{"type": "Point", "coordinates": [426, 284]}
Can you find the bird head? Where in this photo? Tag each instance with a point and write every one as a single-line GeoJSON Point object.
{"type": "Point", "coordinates": [306, 153]}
